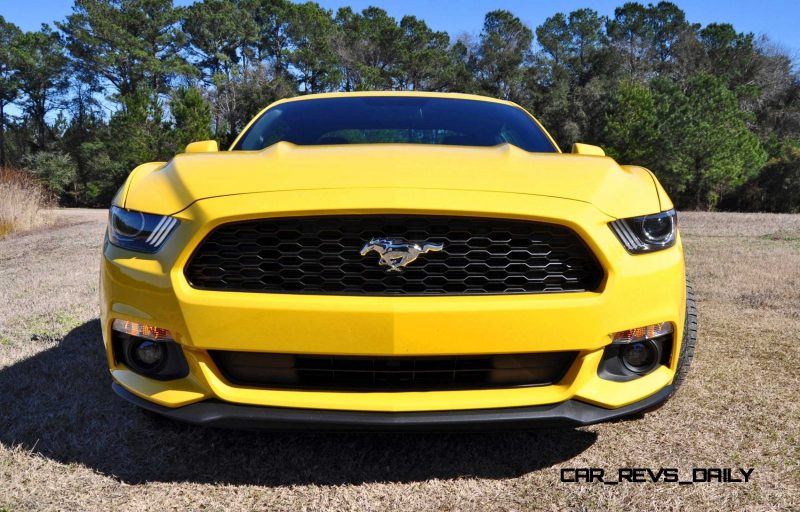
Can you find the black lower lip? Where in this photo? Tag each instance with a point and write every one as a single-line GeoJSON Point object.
{"type": "Point", "coordinates": [218, 414]}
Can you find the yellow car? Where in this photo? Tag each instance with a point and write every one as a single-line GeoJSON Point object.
{"type": "Point", "coordinates": [385, 260]}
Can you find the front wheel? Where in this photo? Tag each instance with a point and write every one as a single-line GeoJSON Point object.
{"type": "Point", "coordinates": [689, 338]}
{"type": "Point", "coordinates": [688, 344]}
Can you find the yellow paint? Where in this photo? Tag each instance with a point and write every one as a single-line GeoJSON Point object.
{"type": "Point", "coordinates": [663, 198]}
{"type": "Point", "coordinates": [203, 146]}
{"type": "Point", "coordinates": [206, 190]}
{"type": "Point", "coordinates": [189, 177]}
{"type": "Point", "coordinates": [587, 149]}
{"type": "Point", "coordinates": [176, 393]}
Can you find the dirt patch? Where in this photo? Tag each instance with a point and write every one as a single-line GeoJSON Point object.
{"type": "Point", "coordinates": [66, 442]}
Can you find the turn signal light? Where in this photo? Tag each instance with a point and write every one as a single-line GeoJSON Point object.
{"type": "Point", "coordinates": [647, 332]}
{"type": "Point", "coordinates": [149, 332]}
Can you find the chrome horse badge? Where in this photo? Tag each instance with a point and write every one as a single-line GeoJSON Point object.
{"type": "Point", "coordinates": [397, 254]}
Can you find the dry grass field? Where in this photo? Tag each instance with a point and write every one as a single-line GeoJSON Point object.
{"type": "Point", "coordinates": [68, 443]}
{"type": "Point", "coordinates": [21, 202]}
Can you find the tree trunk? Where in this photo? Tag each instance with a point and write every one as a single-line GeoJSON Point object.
{"type": "Point", "coordinates": [41, 127]}
{"type": "Point", "coordinates": [2, 135]}
{"type": "Point", "coordinates": [697, 182]}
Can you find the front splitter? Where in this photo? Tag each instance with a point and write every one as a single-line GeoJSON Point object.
{"type": "Point", "coordinates": [218, 414]}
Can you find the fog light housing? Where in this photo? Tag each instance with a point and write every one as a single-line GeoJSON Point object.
{"type": "Point", "coordinates": [146, 355]}
{"type": "Point", "coordinates": [636, 352]}
{"type": "Point", "coordinates": [147, 350]}
{"type": "Point", "coordinates": [640, 357]}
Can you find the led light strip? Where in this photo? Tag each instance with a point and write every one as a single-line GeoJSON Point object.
{"type": "Point", "coordinates": [626, 235]}
{"type": "Point", "coordinates": [162, 230]}
{"type": "Point", "coordinates": [156, 230]}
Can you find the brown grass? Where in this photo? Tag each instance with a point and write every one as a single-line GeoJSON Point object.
{"type": "Point", "coordinates": [21, 199]}
{"type": "Point", "coordinates": [67, 443]}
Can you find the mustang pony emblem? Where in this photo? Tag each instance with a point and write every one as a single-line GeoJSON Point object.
{"type": "Point", "coordinates": [396, 254]}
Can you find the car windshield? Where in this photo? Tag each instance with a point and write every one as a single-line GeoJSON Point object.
{"type": "Point", "coordinates": [396, 120]}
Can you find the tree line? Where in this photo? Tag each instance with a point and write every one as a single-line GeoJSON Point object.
{"type": "Point", "coordinates": [715, 113]}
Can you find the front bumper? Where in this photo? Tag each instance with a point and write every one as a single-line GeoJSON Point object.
{"type": "Point", "coordinates": [637, 290]}
{"type": "Point", "coordinates": [572, 413]}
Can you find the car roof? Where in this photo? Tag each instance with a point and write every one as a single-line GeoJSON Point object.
{"type": "Point", "coordinates": [418, 94]}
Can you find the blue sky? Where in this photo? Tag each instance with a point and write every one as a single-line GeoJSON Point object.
{"type": "Point", "coordinates": [777, 19]}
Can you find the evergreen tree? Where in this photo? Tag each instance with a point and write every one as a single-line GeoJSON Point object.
{"type": "Point", "coordinates": [695, 139]}
{"type": "Point", "coordinates": [192, 116]}
{"type": "Point", "coordinates": [41, 66]}
{"type": "Point", "coordinates": [504, 50]}
{"type": "Point", "coordinates": [218, 33]}
{"type": "Point", "coordinates": [714, 112]}
{"type": "Point", "coordinates": [9, 85]}
{"type": "Point", "coordinates": [425, 59]}
{"type": "Point", "coordinates": [132, 44]}
{"type": "Point", "coordinates": [312, 33]}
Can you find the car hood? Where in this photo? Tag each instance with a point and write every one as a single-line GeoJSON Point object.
{"type": "Point", "coordinates": [619, 191]}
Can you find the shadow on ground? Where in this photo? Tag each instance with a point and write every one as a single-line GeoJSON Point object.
{"type": "Point", "coordinates": [59, 404]}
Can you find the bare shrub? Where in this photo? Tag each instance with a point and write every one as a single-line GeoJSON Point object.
{"type": "Point", "coordinates": [21, 198]}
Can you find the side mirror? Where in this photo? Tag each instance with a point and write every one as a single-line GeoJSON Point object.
{"type": "Point", "coordinates": [587, 149]}
{"type": "Point", "coordinates": [203, 146]}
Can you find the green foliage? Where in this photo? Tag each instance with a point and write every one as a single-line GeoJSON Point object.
{"type": "Point", "coordinates": [573, 75]}
{"type": "Point", "coordinates": [242, 95]}
{"type": "Point", "coordinates": [101, 173]}
{"type": "Point", "coordinates": [129, 43]}
{"type": "Point", "coordinates": [216, 31]}
{"type": "Point", "coordinates": [137, 129]}
{"type": "Point", "coordinates": [632, 124]}
{"type": "Point", "coordinates": [505, 46]}
{"type": "Point", "coordinates": [367, 48]}
{"type": "Point", "coordinates": [312, 33]}
{"type": "Point", "coordinates": [41, 75]}
{"type": "Point", "coordinates": [192, 115]}
{"type": "Point", "coordinates": [646, 37]}
{"type": "Point", "coordinates": [425, 60]}
{"type": "Point", "coordinates": [775, 189]}
{"type": "Point", "coordinates": [55, 169]}
{"type": "Point", "coordinates": [695, 139]}
{"type": "Point", "coordinates": [729, 55]}
{"type": "Point", "coordinates": [9, 66]}
{"type": "Point", "coordinates": [713, 112]}
{"type": "Point", "coordinates": [713, 148]}
{"type": "Point", "coordinates": [9, 84]}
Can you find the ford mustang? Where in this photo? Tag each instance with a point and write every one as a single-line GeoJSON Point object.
{"type": "Point", "coordinates": [394, 260]}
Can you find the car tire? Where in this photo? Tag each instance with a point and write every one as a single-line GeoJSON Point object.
{"type": "Point", "coordinates": [689, 338]}
{"type": "Point", "coordinates": [688, 345]}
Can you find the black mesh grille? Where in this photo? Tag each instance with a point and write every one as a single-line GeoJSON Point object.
{"type": "Point", "coordinates": [392, 373]}
{"type": "Point", "coordinates": [321, 255]}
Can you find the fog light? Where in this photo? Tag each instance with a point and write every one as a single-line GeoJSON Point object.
{"type": "Point", "coordinates": [647, 332]}
{"type": "Point", "coordinates": [640, 356]}
{"type": "Point", "coordinates": [146, 354]}
{"type": "Point", "coordinates": [634, 353]}
{"type": "Point", "coordinates": [147, 350]}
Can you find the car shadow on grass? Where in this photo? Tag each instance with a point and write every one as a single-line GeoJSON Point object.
{"type": "Point", "coordinates": [59, 404]}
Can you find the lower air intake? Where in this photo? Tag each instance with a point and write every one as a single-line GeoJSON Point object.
{"type": "Point", "coordinates": [312, 372]}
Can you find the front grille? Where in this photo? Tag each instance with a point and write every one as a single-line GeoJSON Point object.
{"type": "Point", "coordinates": [419, 373]}
{"type": "Point", "coordinates": [320, 255]}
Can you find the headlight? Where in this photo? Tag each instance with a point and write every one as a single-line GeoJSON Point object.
{"type": "Point", "coordinates": [137, 231]}
{"type": "Point", "coordinates": [648, 233]}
